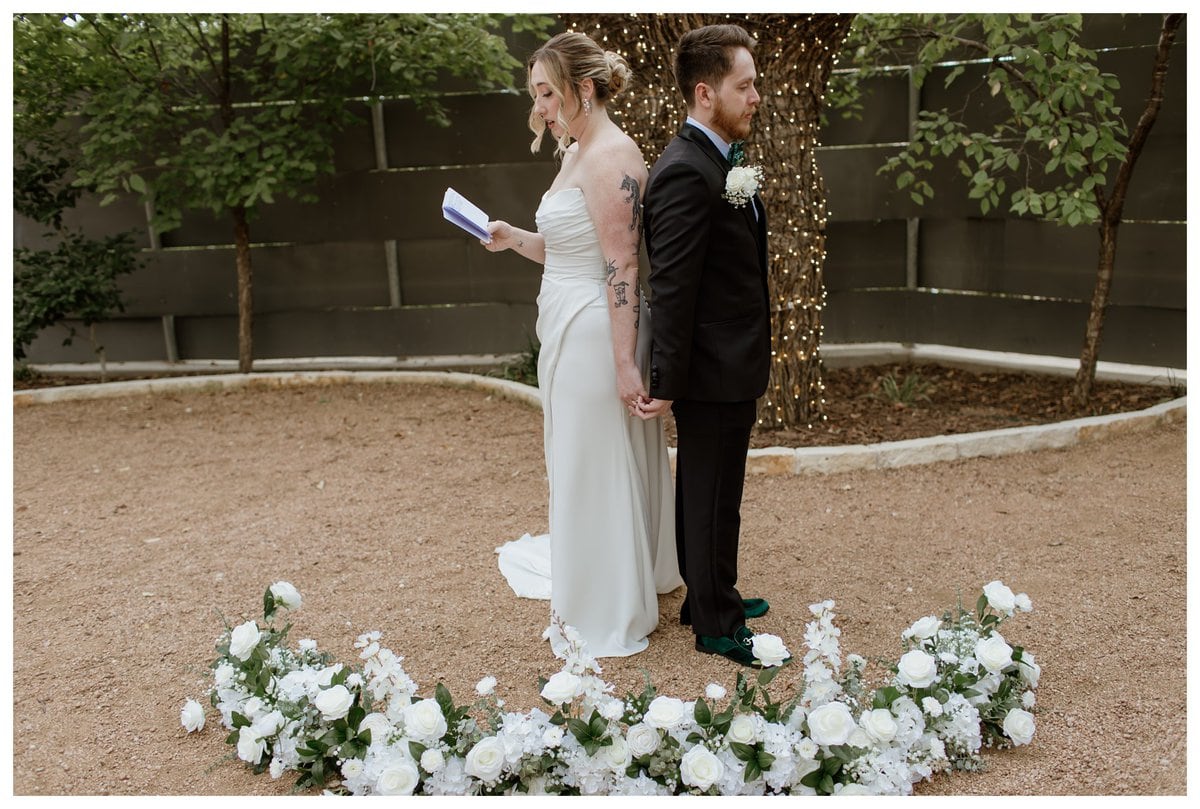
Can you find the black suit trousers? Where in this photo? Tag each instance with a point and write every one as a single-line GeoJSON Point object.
{"type": "Point", "coordinates": [710, 468]}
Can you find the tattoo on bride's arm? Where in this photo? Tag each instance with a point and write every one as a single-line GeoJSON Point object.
{"type": "Point", "coordinates": [610, 271]}
{"type": "Point", "coordinates": [619, 297]}
{"type": "Point", "coordinates": [634, 199]}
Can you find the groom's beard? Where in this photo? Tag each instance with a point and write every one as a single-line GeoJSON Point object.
{"type": "Point", "coordinates": [725, 123]}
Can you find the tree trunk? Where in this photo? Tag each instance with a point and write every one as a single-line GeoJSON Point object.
{"type": "Point", "coordinates": [241, 235]}
{"type": "Point", "coordinates": [241, 227]}
{"type": "Point", "coordinates": [794, 58]}
{"type": "Point", "coordinates": [1110, 216]}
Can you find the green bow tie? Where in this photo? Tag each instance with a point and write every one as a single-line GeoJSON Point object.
{"type": "Point", "coordinates": [737, 152]}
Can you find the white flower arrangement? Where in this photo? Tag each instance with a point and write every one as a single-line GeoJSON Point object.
{"type": "Point", "coordinates": [958, 687]}
{"type": "Point", "coordinates": [742, 183]}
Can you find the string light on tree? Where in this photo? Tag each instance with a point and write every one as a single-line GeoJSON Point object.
{"type": "Point", "coordinates": [784, 142]}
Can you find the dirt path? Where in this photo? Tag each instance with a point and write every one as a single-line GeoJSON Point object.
{"type": "Point", "coordinates": [138, 521]}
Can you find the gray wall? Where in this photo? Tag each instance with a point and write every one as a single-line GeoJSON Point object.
{"type": "Point", "coordinates": [322, 277]}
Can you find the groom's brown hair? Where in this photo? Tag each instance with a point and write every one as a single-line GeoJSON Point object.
{"type": "Point", "coordinates": [706, 55]}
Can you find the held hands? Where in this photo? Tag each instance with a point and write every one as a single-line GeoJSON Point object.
{"type": "Point", "coordinates": [634, 396]}
{"type": "Point", "coordinates": [648, 408]}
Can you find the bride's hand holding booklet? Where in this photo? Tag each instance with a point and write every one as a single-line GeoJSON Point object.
{"type": "Point", "coordinates": [460, 211]}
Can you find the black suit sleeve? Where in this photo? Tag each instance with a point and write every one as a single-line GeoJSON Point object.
{"type": "Point", "coordinates": [677, 216]}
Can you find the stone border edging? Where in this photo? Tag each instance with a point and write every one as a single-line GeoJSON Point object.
{"type": "Point", "coordinates": [769, 461]}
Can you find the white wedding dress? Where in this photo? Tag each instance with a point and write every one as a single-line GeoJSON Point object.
{"type": "Point", "coordinates": [611, 546]}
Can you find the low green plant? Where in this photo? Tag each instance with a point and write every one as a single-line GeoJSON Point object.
{"type": "Point", "coordinates": [912, 389]}
{"type": "Point", "coordinates": [525, 369]}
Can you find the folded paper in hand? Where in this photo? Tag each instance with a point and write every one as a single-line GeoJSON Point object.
{"type": "Point", "coordinates": [457, 209]}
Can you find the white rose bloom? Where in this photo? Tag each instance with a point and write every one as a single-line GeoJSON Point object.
{"type": "Point", "coordinates": [831, 724]}
{"type": "Point", "coordinates": [325, 676]}
{"type": "Point", "coordinates": [769, 650]}
{"type": "Point", "coordinates": [700, 768]}
{"type": "Point", "coordinates": [269, 724]}
{"type": "Point", "coordinates": [561, 688]}
{"type": "Point", "coordinates": [618, 755]}
{"type": "Point", "coordinates": [243, 640]}
{"type": "Point", "coordinates": [398, 778]}
{"type": "Point", "coordinates": [1022, 602]}
{"type": "Point", "coordinates": [334, 703]}
{"type": "Point", "coordinates": [999, 597]}
{"type": "Point", "coordinates": [1019, 726]}
{"type": "Point", "coordinates": [286, 595]}
{"type": "Point", "coordinates": [807, 749]}
{"type": "Point", "coordinates": [223, 675]}
{"type": "Point", "coordinates": [308, 645]}
{"type": "Point", "coordinates": [993, 653]}
{"type": "Point", "coordinates": [552, 737]}
{"type": "Point", "coordinates": [486, 759]}
{"type": "Point", "coordinates": [715, 691]}
{"type": "Point", "coordinates": [742, 729]}
{"type": "Point", "coordinates": [917, 669]}
{"type": "Point", "coordinates": [665, 713]}
{"type": "Point", "coordinates": [192, 716]}
{"type": "Point", "coordinates": [432, 760]}
{"type": "Point", "coordinates": [485, 686]}
{"type": "Point", "coordinates": [932, 707]}
{"type": "Point", "coordinates": [1030, 671]}
{"type": "Point", "coordinates": [643, 739]}
{"type": "Point", "coordinates": [251, 708]}
{"type": "Point", "coordinates": [378, 724]}
{"type": "Point", "coordinates": [424, 720]}
{"type": "Point", "coordinates": [879, 724]}
{"type": "Point", "coordinates": [859, 738]}
{"type": "Point", "coordinates": [1028, 700]}
{"type": "Point", "coordinates": [352, 768]}
{"type": "Point", "coordinates": [250, 746]}
{"type": "Point", "coordinates": [925, 628]}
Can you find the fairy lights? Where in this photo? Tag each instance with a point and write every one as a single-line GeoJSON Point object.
{"type": "Point", "coordinates": [794, 72]}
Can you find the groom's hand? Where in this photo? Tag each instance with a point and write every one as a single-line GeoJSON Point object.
{"type": "Point", "coordinates": [652, 408]}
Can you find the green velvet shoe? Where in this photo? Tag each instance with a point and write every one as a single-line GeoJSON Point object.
{"type": "Point", "coordinates": [754, 608]}
{"type": "Point", "coordinates": [736, 648]}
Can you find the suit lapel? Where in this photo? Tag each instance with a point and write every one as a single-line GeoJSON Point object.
{"type": "Point", "coordinates": [694, 135]}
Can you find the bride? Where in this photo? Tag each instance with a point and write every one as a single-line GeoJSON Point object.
{"type": "Point", "coordinates": [611, 546]}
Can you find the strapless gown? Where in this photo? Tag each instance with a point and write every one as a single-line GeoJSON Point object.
{"type": "Point", "coordinates": [611, 546]}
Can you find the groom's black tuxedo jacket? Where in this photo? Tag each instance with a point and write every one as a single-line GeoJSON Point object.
{"type": "Point", "coordinates": [710, 322]}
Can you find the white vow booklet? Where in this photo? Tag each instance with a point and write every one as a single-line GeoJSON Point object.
{"type": "Point", "coordinates": [457, 209]}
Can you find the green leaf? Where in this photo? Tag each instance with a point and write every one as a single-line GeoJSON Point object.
{"type": "Point", "coordinates": [579, 729]}
{"type": "Point", "coordinates": [884, 697]}
{"type": "Point", "coordinates": [743, 752]}
{"type": "Point", "coordinates": [702, 713]}
{"type": "Point", "coordinates": [444, 700]}
{"type": "Point", "coordinates": [416, 750]}
{"type": "Point", "coordinates": [137, 183]}
{"type": "Point", "coordinates": [768, 674]}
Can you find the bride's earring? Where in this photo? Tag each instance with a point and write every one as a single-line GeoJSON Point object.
{"type": "Point", "coordinates": [587, 106]}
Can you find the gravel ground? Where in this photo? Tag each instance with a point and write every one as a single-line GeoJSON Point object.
{"type": "Point", "coordinates": [139, 522]}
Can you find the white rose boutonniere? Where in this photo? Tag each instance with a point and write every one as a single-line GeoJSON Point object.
{"type": "Point", "coordinates": [741, 183]}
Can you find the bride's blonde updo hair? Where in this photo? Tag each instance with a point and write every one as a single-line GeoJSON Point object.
{"type": "Point", "coordinates": [568, 59]}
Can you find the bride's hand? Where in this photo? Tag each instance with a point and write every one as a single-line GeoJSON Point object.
{"type": "Point", "coordinates": [630, 387]}
{"type": "Point", "coordinates": [502, 236]}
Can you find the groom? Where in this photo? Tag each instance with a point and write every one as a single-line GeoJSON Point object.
{"type": "Point", "coordinates": [710, 327]}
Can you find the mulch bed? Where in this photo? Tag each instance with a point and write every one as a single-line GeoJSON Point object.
{"type": "Point", "coordinates": [952, 401]}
